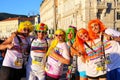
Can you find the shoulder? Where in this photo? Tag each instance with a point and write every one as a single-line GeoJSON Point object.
{"type": "Point", "coordinates": [109, 29]}
{"type": "Point", "coordinates": [10, 39]}
{"type": "Point", "coordinates": [112, 32]}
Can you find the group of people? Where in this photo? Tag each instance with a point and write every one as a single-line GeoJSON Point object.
{"type": "Point", "coordinates": [98, 52]}
{"type": "Point", "coordinates": [39, 58]}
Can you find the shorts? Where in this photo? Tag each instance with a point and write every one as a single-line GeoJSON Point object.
{"type": "Point", "coordinates": [8, 73]}
{"type": "Point", "coordinates": [82, 74]}
{"type": "Point", "coordinates": [101, 76]}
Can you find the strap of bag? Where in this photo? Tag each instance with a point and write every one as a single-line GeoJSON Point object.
{"type": "Point", "coordinates": [25, 56]}
{"type": "Point", "coordinates": [102, 44]}
{"type": "Point", "coordinates": [90, 47]}
{"type": "Point", "coordinates": [20, 41]}
{"type": "Point", "coordinates": [47, 43]}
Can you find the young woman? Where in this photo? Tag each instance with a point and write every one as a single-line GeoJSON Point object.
{"type": "Point", "coordinates": [79, 50]}
{"type": "Point", "coordinates": [58, 54]}
{"type": "Point", "coordinates": [36, 61]}
{"type": "Point", "coordinates": [17, 47]}
{"type": "Point", "coordinates": [70, 37]}
{"type": "Point", "coordinates": [97, 30]}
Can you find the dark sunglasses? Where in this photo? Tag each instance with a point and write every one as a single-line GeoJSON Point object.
{"type": "Point", "coordinates": [26, 29]}
{"type": "Point", "coordinates": [58, 35]}
{"type": "Point", "coordinates": [41, 31]}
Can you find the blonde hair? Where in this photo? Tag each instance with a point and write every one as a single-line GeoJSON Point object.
{"type": "Point", "coordinates": [55, 41]}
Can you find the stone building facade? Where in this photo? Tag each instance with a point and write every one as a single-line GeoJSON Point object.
{"type": "Point", "coordinates": [48, 14]}
{"type": "Point", "coordinates": [62, 13]}
{"type": "Point", "coordinates": [10, 25]}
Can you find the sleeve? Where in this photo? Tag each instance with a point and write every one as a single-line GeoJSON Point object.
{"type": "Point", "coordinates": [112, 32]}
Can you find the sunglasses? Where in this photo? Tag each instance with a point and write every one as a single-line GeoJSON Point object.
{"type": "Point", "coordinates": [26, 29]}
{"type": "Point", "coordinates": [41, 31]}
{"type": "Point", "coordinates": [58, 35]}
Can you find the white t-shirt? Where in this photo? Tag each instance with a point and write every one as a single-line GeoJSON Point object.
{"type": "Point", "coordinates": [112, 54]}
{"type": "Point", "coordinates": [114, 51]}
{"type": "Point", "coordinates": [54, 67]}
{"type": "Point", "coordinates": [13, 57]}
{"type": "Point", "coordinates": [94, 65]}
{"type": "Point", "coordinates": [37, 59]}
{"type": "Point", "coordinates": [112, 32]}
{"type": "Point", "coordinates": [80, 65]}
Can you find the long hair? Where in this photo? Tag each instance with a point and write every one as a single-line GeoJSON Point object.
{"type": "Point", "coordinates": [79, 42]}
{"type": "Point", "coordinates": [73, 33]}
{"type": "Point", "coordinates": [101, 25]}
{"type": "Point", "coordinates": [55, 41]}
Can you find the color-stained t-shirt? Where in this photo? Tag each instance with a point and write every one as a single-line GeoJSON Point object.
{"type": "Point", "coordinates": [95, 65]}
{"type": "Point", "coordinates": [37, 59]}
{"type": "Point", "coordinates": [13, 57]}
{"type": "Point", "coordinates": [54, 68]}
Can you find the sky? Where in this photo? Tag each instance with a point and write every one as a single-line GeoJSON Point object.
{"type": "Point", "coordinates": [20, 7]}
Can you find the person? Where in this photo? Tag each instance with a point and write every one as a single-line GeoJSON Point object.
{"type": "Point", "coordinates": [87, 66]}
{"type": "Point", "coordinates": [36, 61]}
{"type": "Point", "coordinates": [70, 37]}
{"type": "Point", "coordinates": [2, 52]}
{"type": "Point", "coordinates": [58, 54]}
{"type": "Point", "coordinates": [13, 61]}
{"type": "Point", "coordinates": [79, 50]}
{"type": "Point", "coordinates": [96, 29]}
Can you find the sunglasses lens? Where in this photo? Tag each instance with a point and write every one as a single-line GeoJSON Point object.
{"type": "Point", "coordinates": [41, 31]}
{"type": "Point", "coordinates": [25, 29]}
{"type": "Point", "coordinates": [58, 35]}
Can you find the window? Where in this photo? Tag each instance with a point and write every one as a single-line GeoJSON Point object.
{"type": "Point", "coordinates": [98, 0]}
{"type": "Point", "coordinates": [99, 13]}
{"type": "Point", "coordinates": [118, 29]}
{"type": "Point", "coordinates": [118, 15]}
{"type": "Point", "coordinates": [118, 0]}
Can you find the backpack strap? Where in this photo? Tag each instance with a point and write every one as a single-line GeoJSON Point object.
{"type": "Point", "coordinates": [47, 43]}
{"type": "Point", "coordinates": [102, 44]}
{"type": "Point", "coordinates": [90, 47]}
{"type": "Point", "coordinates": [20, 41]}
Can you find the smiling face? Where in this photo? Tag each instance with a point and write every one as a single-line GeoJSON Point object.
{"type": "Point", "coordinates": [70, 35]}
{"type": "Point", "coordinates": [41, 34]}
{"type": "Point", "coordinates": [84, 36]}
{"type": "Point", "coordinates": [95, 28]}
{"type": "Point", "coordinates": [25, 31]}
{"type": "Point", "coordinates": [59, 37]}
